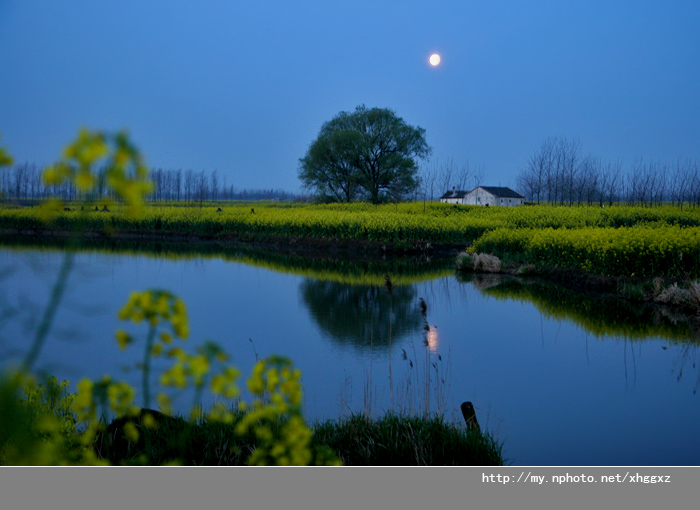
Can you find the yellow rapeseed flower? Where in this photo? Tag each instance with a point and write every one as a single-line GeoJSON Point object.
{"type": "Point", "coordinates": [180, 327]}
{"type": "Point", "coordinates": [161, 306]}
{"type": "Point", "coordinates": [149, 421]}
{"type": "Point", "coordinates": [175, 376]}
{"type": "Point", "coordinates": [199, 366]}
{"type": "Point", "coordinates": [131, 432]}
{"type": "Point", "coordinates": [164, 403]}
{"type": "Point", "coordinates": [84, 181]}
{"type": "Point", "coordinates": [217, 384]}
{"type": "Point", "coordinates": [123, 339]}
{"type": "Point", "coordinates": [272, 379]}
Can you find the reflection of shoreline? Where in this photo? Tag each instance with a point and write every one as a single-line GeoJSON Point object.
{"type": "Point", "coordinates": [357, 271]}
{"type": "Point", "coordinates": [598, 315]}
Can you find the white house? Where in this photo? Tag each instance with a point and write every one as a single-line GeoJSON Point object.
{"type": "Point", "coordinates": [484, 195]}
{"type": "Point", "coordinates": [493, 195]}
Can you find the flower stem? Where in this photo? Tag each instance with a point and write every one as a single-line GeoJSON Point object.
{"type": "Point", "coordinates": [147, 368]}
{"type": "Point", "coordinates": [46, 321]}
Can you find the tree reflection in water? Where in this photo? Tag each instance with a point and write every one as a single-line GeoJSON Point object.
{"type": "Point", "coordinates": [362, 315]}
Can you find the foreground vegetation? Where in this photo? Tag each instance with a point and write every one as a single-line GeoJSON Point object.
{"type": "Point", "coordinates": [53, 434]}
{"type": "Point", "coordinates": [44, 423]}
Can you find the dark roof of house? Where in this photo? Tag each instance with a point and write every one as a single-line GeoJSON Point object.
{"type": "Point", "coordinates": [501, 192]}
{"type": "Point", "coordinates": [454, 194]}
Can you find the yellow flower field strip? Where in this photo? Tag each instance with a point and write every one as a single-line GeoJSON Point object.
{"type": "Point", "coordinates": [648, 251]}
{"type": "Point", "coordinates": [411, 222]}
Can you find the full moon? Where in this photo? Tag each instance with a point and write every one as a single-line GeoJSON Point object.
{"type": "Point", "coordinates": [434, 59]}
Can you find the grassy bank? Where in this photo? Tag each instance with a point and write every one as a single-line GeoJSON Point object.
{"type": "Point", "coordinates": [390, 440]}
{"type": "Point", "coordinates": [595, 312]}
{"type": "Point", "coordinates": [614, 241]}
{"type": "Point", "coordinates": [407, 441]}
{"type": "Point", "coordinates": [41, 428]}
{"type": "Point", "coordinates": [678, 295]}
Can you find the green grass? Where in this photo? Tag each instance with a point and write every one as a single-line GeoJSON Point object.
{"type": "Point", "coordinates": [395, 440]}
{"type": "Point", "coordinates": [176, 440]}
{"type": "Point", "coordinates": [391, 440]}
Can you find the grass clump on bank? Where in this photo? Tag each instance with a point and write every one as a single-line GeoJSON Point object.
{"type": "Point", "coordinates": [391, 440]}
{"type": "Point", "coordinates": [478, 262]}
{"type": "Point", "coordinates": [51, 433]}
{"type": "Point", "coordinates": [173, 440]}
{"type": "Point", "coordinates": [395, 440]}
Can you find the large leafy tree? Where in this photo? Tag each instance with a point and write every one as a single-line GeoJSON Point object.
{"type": "Point", "coordinates": [368, 153]}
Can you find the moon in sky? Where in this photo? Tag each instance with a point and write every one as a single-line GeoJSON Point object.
{"type": "Point", "coordinates": [434, 59]}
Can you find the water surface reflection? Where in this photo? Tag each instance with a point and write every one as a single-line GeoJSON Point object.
{"type": "Point", "coordinates": [363, 316]}
{"type": "Point", "coordinates": [561, 377]}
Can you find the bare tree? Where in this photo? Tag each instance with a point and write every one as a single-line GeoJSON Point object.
{"type": "Point", "coordinates": [546, 165]}
{"type": "Point", "coordinates": [680, 181]}
{"type": "Point", "coordinates": [428, 178]}
{"type": "Point", "coordinates": [20, 176]}
{"type": "Point", "coordinates": [567, 162]}
{"type": "Point", "coordinates": [463, 175]}
{"type": "Point", "coordinates": [608, 182]}
{"type": "Point", "coordinates": [157, 176]}
{"type": "Point", "coordinates": [446, 176]}
{"type": "Point", "coordinates": [478, 175]}
{"type": "Point", "coordinates": [214, 186]}
{"type": "Point", "coordinates": [189, 185]}
{"type": "Point", "coordinates": [646, 182]}
{"type": "Point", "coordinates": [178, 184]}
{"type": "Point", "coordinates": [534, 178]}
{"type": "Point", "coordinates": [587, 182]}
{"type": "Point", "coordinates": [201, 186]}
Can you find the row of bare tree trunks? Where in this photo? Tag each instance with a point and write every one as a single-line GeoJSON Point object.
{"type": "Point", "coordinates": [23, 181]}
{"type": "Point", "coordinates": [558, 172]}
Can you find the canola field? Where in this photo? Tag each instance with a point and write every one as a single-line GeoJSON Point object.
{"type": "Point", "coordinates": [612, 241]}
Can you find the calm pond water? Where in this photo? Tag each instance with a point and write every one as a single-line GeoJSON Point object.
{"type": "Point", "coordinates": [559, 378]}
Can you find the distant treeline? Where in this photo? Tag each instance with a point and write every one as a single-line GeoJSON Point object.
{"type": "Point", "coordinates": [23, 181]}
{"type": "Point", "coordinates": [558, 172]}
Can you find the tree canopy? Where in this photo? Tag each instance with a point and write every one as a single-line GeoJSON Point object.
{"type": "Point", "coordinates": [367, 154]}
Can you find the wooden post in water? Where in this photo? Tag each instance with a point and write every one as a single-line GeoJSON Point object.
{"type": "Point", "coordinates": [470, 416]}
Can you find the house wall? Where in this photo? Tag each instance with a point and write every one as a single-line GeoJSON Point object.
{"type": "Point", "coordinates": [480, 196]}
{"type": "Point", "coordinates": [512, 202]}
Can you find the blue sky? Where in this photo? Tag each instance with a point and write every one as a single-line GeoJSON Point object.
{"type": "Point", "coordinates": [243, 87]}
